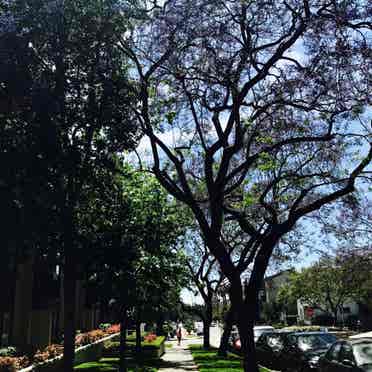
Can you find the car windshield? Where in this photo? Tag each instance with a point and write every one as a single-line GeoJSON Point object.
{"type": "Point", "coordinates": [328, 338]}
{"type": "Point", "coordinates": [363, 353]}
{"type": "Point", "coordinates": [308, 342]}
{"type": "Point", "coordinates": [275, 341]}
{"type": "Point", "coordinates": [259, 332]}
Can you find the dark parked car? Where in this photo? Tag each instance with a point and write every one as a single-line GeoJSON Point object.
{"type": "Point", "coordinates": [302, 351]}
{"type": "Point", "coordinates": [269, 348]}
{"type": "Point", "coordinates": [257, 331]}
{"type": "Point", "coordinates": [348, 356]}
{"type": "Point", "coordinates": [293, 351]}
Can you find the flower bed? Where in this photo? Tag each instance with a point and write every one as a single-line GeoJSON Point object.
{"type": "Point", "coordinates": [88, 346]}
{"type": "Point", "coordinates": [10, 364]}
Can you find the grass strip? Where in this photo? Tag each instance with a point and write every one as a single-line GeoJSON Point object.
{"type": "Point", "coordinates": [111, 365]}
{"type": "Point", "coordinates": [209, 361]}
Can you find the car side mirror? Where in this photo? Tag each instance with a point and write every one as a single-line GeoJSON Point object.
{"type": "Point", "coordinates": [348, 363]}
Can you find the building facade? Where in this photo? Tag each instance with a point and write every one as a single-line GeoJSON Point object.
{"type": "Point", "coordinates": [31, 312]}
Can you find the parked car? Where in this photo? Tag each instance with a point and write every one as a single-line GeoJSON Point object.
{"type": "Point", "coordinates": [234, 335]}
{"type": "Point", "coordinates": [354, 355]}
{"type": "Point", "coordinates": [302, 350]}
{"type": "Point", "coordinates": [257, 331]}
{"type": "Point", "coordinates": [269, 347]}
{"type": "Point", "coordinates": [362, 335]}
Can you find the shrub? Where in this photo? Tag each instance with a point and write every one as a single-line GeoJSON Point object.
{"type": "Point", "coordinates": [10, 351]}
{"type": "Point", "coordinates": [95, 335]}
{"type": "Point", "coordinates": [167, 328]}
{"type": "Point", "coordinates": [10, 364]}
{"type": "Point", "coordinates": [49, 352]}
{"type": "Point", "coordinates": [104, 326]}
{"type": "Point", "coordinates": [150, 337]}
{"type": "Point", "coordinates": [111, 348]}
{"type": "Point", "coordinates": [114, 328]}
{"type": "Point", "coordinates": [89, 337]}
{"type": "Point", "coordinates": [189, 325]}
{"type": "Point", "coordinates": [81, 339]}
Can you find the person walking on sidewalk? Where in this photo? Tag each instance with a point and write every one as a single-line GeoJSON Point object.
{"type": "Point", "coordinates": [179, 335]}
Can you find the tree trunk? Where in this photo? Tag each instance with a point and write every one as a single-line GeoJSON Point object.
{"type": "Point", "coordinates": [69, 285]}
{"type": "Point", "coordinates": [138, 333]}
{"type": "Point", "coordinates": [335, 313]}
{"type": "Point", "coordinates": [207, 320]}
{"type": "Point", "coordinates": [245, 312]}
{"type": "Point", "coordinates": [159, 327]}
{"type": "Point", "coordinates": [123, 341]}
{"type": "Point", "coordinates": [13, 282]}
{"type": "Point", "coordinates": [246, 317]}
{"type": "Point", "coordinates": [69, 289]}
{"type": "Point", "coordinates": [224, 343]}
{"type": "Point", "coordinates": [206, 334]}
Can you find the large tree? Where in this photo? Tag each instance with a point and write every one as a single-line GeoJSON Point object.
{"type": "Point", "coordinates": [330, 283]}
{"type": "Point", "coordinates": [139, 265]}
{"type": "Point", "coordinates": [70, 108]}
{"type": "Point", "coordinates": [265, 102]}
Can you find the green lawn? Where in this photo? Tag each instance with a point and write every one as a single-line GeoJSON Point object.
{"type": "Point", "coordinates": [209, 361]}
{"type": "Point", "coordinates": [111, 364]}
{"type": "Point", "coordinates": [142, 363]}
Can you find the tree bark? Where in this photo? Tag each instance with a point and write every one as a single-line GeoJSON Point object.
{"type": "Point", "coordinates": [335, 313]}
{"type": "Point", "coordinates": [206, 334]}
{"type": "Point", "coordinates": [138, 332]}
{"type": "Point", "coordinates": [159, 327]}
{"type": "Point", "coordinates": [207, 320]}
{"type": "Point", "coordinates": [123, 341]}
{"type": "Point", "coordinates": [245, 312]}
{"type": "Point", "coordinates": [69, 285]}
{"type": "Point", "coordinates": [224, 343]}
{"type": "Point", "coordinates": [246, 317]}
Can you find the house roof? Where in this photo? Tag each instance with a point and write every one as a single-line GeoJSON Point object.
{"type": "Point", "coordinates": [279, 273]}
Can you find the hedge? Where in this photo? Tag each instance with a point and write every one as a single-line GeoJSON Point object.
{"type": "Point", "coordinates": [154, 349]}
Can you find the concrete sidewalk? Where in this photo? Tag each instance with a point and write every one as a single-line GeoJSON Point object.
{"type": "Point", "coordinates": [179, 358]}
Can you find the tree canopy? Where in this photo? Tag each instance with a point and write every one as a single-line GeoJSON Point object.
{"type": "Point", "coordinates": [331, 283]}
{"type": "Point", "coordinates": [64, 114]}
{"type": "Point", "coordinates": [266, 102]}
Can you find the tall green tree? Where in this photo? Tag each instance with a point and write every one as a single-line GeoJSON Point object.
{"type": "Point", "coordinates": [330, 283]}
{"type": "Point", "coordinates": [141, 266]}
{"type": "Point", "coordinates": [71, 111]}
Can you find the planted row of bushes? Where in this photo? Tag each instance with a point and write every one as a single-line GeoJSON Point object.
{"type": "Point", "coordinates": [152, 346]}
{"type": "Point", "coordinates": [12, 364]}
{"type": "Point", "coordinates": [11, 359]}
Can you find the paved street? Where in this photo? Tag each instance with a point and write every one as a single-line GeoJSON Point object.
{"type": "Point", "coordinates": [178, 358]}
